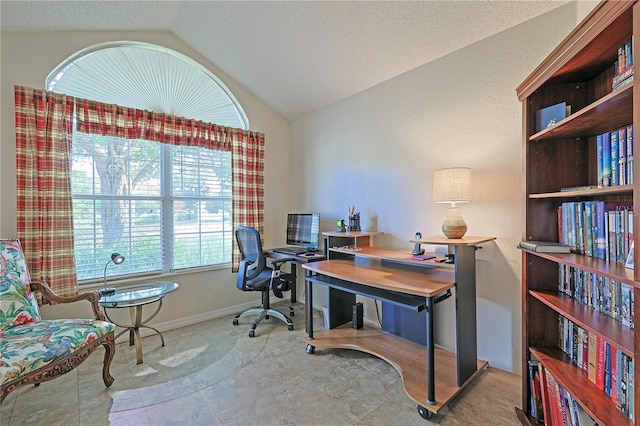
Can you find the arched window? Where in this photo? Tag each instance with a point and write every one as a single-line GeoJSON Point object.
{"type": "Point", "coordinates": [164, 207]}
{"type": "Point", "coordinates": [150, 77]}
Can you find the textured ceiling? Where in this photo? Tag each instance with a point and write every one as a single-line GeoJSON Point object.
{"type": "Point", "coordinates": [295, 56]}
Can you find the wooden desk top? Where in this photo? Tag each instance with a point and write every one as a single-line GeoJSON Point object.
{"type": "Point", "coordinates": [351, 234]}
{"type": "Point", "coordinates": [442, 240]}
{"type": "Point", "coordinates": [395, 255]}
{"type": "Point", "coordinates": [425, 282]}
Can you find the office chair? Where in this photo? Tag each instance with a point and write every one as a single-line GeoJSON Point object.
{"type": "Point", "coordinates": [255, 275]}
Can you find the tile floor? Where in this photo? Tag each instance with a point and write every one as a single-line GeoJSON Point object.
{"type": "Point", "coordinates": [212, 373]}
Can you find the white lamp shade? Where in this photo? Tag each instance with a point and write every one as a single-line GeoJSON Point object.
{"type": "Point", "coordinates": [452, 185]}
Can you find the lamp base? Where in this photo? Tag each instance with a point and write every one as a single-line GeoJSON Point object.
{"type": "Point", "coordinates": [454, 226]}
{"type": "Point", "coordinates": [107, 291]}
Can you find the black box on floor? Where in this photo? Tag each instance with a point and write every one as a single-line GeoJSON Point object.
{"type": "Point", "coordinates": [357, 315]}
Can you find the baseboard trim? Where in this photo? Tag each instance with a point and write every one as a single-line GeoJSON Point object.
{"type": "Point", "coordinates": [190, 320]}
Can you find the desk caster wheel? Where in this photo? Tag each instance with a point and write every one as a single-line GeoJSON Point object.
{"type": "Point", "coordinates": [424, 413]}
{"type": "Point", "coordinates": [235, 321]}
{"type": "Point", "coordinates": [252, 333]}
{"type": "Point", "coordinates": [311, 349]}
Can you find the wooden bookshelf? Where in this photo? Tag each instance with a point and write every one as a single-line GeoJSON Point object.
{"type": "Point", "coordinates": [579, 72]}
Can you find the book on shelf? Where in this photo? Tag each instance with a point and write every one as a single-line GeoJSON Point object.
{"type": "Point", "coordinates": [613, 137]}
{"type": "Point", "coordinates": [571, 409]}
{"type": "Point", "coordinates": [624, 64]}
{"type": "Point", "coordinates": [608, 349]}
{"type": "Point", "coordinates": [589, 237]}
{"type": "Point", "coordinates": [628, 363]}
{"type": "Point", "coordinates": [616, 362]}
{"type": "Point", "coordinates": [545, 246]}
{"type": "Point", "coordinates": [605, 139]}
{"type": "Point", "coordinates": [619, 83]}
{"type": "Point", "coordinates": [622, 156]}
{"type": "Point", "coordinates": [629, 262]}
{"type": "Point", "coordinates": [549, 116]}
{"type": "Point", "coordinates": [578, 188]}
{"type": "Point", "coordinates": [593, 348]}
{"type": "Point", "coordinates": [599, 160]}
{"type": "Point", "coordinates": [536, 391]}
{"type": "Point", "coordinates": [630, 154]}
{"type": "Point", "coordinates": [600, 363]}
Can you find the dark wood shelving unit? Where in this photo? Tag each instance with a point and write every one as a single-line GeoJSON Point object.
{"type": "Point", "coordinates": [579, 72]}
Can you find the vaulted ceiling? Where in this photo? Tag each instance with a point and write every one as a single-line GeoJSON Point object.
{"type": "Point", "coordinates": [295, 56]}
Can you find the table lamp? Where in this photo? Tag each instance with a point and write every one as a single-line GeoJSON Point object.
{"type": "Point", "coordinates": [452, 185]}
{"type": "Point", "coordinates": [116, 258]}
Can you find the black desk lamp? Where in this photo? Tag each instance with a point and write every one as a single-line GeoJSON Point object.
{"type": "Point", "coordinates": [116, 258]}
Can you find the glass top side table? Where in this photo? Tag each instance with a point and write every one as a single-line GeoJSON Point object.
{"type": "Point", "coordinates": [135, 298]}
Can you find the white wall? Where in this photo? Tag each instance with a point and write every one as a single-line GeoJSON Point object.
{"type": "Point", "coordinates": [378, 150]}
{"type": "Point", "coordinates": [27, 58]}
{"type": "Point", "coordinates": [584, 7]}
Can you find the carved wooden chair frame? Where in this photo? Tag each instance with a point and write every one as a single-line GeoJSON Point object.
{"type": "Point", "coordinates": [67, 363]}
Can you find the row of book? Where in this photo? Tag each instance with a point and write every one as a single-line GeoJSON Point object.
{"type": "Point", "coordinates": [563, 408]}
{"type": "Point", "coordinates": [610, 369]}
{"type": "Point", "coordinates": [607, 296]}
{"type": "Point", "coordinates": [624, 65]}
{"type": "Point", "coordinates": [597, 228]}
{"type": "Point", "coordinates": [614, 152]}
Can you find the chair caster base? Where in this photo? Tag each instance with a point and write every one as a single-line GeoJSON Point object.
{"type": "Point", "coordinates": [290, 327]}
{"type": "Point", "coordinates": [235, 321]}
{"type": "Point", "coordinates": [252, 333]}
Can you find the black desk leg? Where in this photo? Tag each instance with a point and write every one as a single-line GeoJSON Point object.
{"type": "Point", "coordinates": [431, 364]}
{"type": "Point", "coordinates": [308, 304]}
{"type": "Point", "coordinates": [466, 334]}
{"type": "Point", "coordinates": [294, 288]}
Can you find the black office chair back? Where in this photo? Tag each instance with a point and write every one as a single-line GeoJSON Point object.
{"type": "Point", "coordinates": [252, 259]}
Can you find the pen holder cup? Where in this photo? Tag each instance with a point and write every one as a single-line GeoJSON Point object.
{"type": "Point", "coordinates": [354, 222]}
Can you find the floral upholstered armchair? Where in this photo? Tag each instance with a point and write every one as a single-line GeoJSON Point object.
{"type": "Point", "coordinates": [34, 350]}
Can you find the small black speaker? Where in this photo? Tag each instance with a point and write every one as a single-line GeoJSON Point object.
{"type": "Point", "coordinates": [357, 315]}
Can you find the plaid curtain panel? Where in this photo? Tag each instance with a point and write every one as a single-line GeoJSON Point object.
{"type": "Point", "coordinates": [248, 184]}
{"type": "Point", "coordinates": [247, 150]}
{"type": "Point", "coordinates": [44, 122]}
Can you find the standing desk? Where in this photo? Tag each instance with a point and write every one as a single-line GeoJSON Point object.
{"type": "Point", "coordinates": [412, 287]}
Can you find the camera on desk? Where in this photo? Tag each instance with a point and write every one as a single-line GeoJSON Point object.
{"type": "Point", "coordinates": [417, 251]}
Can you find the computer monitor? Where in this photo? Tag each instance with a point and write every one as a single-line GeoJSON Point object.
{"type": "Point", "coordinates": [303, 230]}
